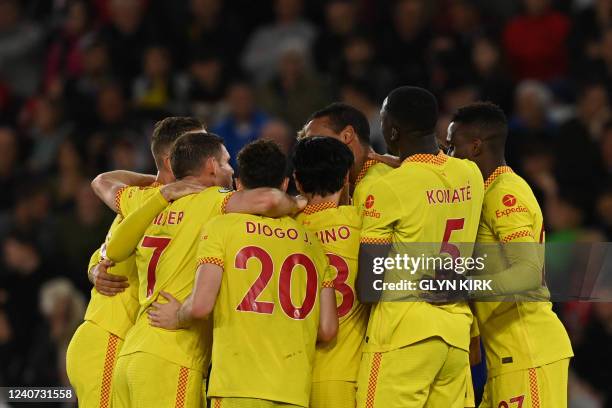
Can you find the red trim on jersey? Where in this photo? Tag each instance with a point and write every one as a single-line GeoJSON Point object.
{"type": "Point", "coordinates": [225, 200]}
{"type": "Point", "coordinates": [364, 169]}
{"type": "Point", "coordinates": [181, 387]}
{"type": "Point", "coordinates": [107, 374]}
{"type": "Point", "coordinates": [314, 208]}
{"type": "Point", "coordinates": [495, 174]}
{"type": "Point", "coordinates": [533, 388]}
{"type": "Point", "coordinates": [436, 159]}
{"type": "Point", "coordinates": [373, 380]}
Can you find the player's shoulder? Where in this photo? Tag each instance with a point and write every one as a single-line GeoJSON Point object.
{"type": "Point", "coordinates": [509, 183]}
{"type": "Point", "coordinates": [214, 191]}
{"type": "Point", "coordinates": [349, 214]}
{"type": "Point", "coordinates": [467, 166]}
{"type": "Point", "coordinates": [379, 169]}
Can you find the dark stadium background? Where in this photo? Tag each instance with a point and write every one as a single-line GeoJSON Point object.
{"type": "Point", "coordinates": [81, 84]}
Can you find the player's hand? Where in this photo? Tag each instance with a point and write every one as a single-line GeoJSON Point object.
{"type": "Point", "coordinates": [300, 203]}
{"type": "Point", "coordinates": [389, 160]}
{"type": "Point", "coordinates": [180, 188]}
{"type": "Point", "coordinates": [106, 283]}
{"type": "Point", "coordinates": [165, 315]}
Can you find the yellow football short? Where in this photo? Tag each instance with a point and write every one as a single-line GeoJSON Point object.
{"type": "Point", "coordinates": [539, 387]}
{"type": "Point", "coordinates": [90, 361]}
{"type": "Point", "coordinates": [470, 398]}
{"type": "Point", "coordinates": [429, 374]}
{"type": "Point", "coordinates": [144, 380]}
{"type": "Point", "coordinates": [333, 394]}
{"type": "Point", "coordinates": [248, 403]}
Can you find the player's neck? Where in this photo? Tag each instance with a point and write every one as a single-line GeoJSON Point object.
{"type": "Point", "coordinates": [318, 199]}
{"type": "Point", "coordinates": [488, 165]}
{"type": "Point", "coordinates": [361, 156]}
{"type": "Point", "coordinates": [429, 146]}
{"type": "Point", "coordinates": [164, 177]}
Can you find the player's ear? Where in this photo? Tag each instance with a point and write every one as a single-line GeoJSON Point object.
{"type": "Point", "coordinates": [298, 185]}
{"type": "Point", "coordinates": [394, 134]}
{"type": "Point", "coordinates": [238, 184]}
{"type": "Point", "coordinates": [284, 184]}
{"type": "Point", "coordinates": [476, 147]}
{"type": "Point", "coordinates": [348, 135]}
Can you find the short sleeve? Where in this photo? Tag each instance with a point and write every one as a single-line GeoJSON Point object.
{"type": "Point", "coordinates": [211, 247]}
{"type": "Point", "coordinates": [381, 211]}
{"type": "Point", "coordinates": [509, 216]}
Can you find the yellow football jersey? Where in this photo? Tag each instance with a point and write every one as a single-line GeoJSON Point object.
{"type": "Point", "coordinates": [338, 230]}
{"type": "Point", "coordinates": [371, 171]}
{"type": "Point", "coordinates": [428, 199]}
{"type": "Point", "coordinates": [266, 316]}
{"type": "Point", "coordinates": [516, 335]}
{"type": "Point", "coordinates": [115, 314]}
{"type": "Point", "coordinates": [165, 260]}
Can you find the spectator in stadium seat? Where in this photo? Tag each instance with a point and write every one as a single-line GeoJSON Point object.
{"type": "Point", "coordinates": [535, 42]}
{"type": "Point", "coordinates": [213, 31]}
{"type": "Point", "coordinates": [530, 125]}
{"type": "Point", "coordinates": [405, 42]}
{"type": "Point", "coordinates": [127, 35]}
{"type": "Point", "coordinates": [278, 132]}
{"type": "Point", "coordinates": [296, 91]}
{"type": "Point", "coordinates": [359, 62]}
{"type": "Point", "coordinates": [265, 46]}
{"type": "Point", "coordinates": [89, 221]}
{"type": "Point", "coordinates": [360, 96]}
{"type": "Point", "coordinates": [69, 178]}
{"type": "Point", "coordinates": [20, 43]}
{"type": "Point", "coordinates": [490, 75]}
{"type": "Point", "coordinates": [65, 54]}
{"type": "Point", "coordinates": [9, 171]}
{"type": "Point", "coordinates": [47, 132]}
{"type": "Point", "coordinates": [205, 85]}
{"type": "Point", "coordinates": [243, 122]}
{"type": "Point", "coordinates": [62, 307]}
{"type": "Point", "coordinates": [340, 22]}
{"type": "Point", "coordinates": [156, 88]}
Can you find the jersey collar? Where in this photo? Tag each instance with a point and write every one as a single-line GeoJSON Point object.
{"type": "Point", "coordinates": [435, 159]}
{"type": "Point", "coordinates": [156, 184]}
{"type": "Point", "coordinates": [495, 174]}
{"type": "Point", "coordinates": [364, 169]}
{"type": "Point", "coordinates": [314, 208]}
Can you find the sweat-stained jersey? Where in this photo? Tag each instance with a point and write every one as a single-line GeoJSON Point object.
{"type": "Point", "coordinates": [428, 199]}
{"type": "Point", "coordinates": [266, 316]}
{"type": "Point", "coordinates": [165, 259]}
{"type": "Point", "coordinates": [516, 335]}
{"type": "Point", "coordinates": [371, 171]}
{"type": "Point", "coordinates": [338, 230]}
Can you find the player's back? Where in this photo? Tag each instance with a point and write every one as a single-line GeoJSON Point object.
{"type": "Point", "coordinates": [338, 229]}
{"type": "Point", "coordinates": [116, 314]}
{"type": "Point", "coordinates": [166, 260]}
{"type": "Point", "coordinates": [429, 205]}
{"type": "Point", "coordinates": [266, 315]}
{"type": "Point", "coordinates": [516, 335]}
{"type": "Point", "coordinates": [372, 170]}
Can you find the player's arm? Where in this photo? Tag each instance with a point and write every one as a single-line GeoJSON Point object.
{"type": "Point", "coordinates": [328, 317]}
{"type": "Point", "coordinates": [521, 249]}
{"type": "Point", "coordinates": [388, 159]}
{"type": "Point", "coordinates": [107, 185]}
{"type": "Point", "coordinates": [375, 244]}
{"type": "Point", "coordinates": [129, 233]}
{"type": "Point", "coordinates": [269, 202]}
{"type": "Point", "coordinates": [105, 283]}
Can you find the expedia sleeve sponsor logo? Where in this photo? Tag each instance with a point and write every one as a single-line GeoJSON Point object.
{"type": "Point", "coordinates": [368, 205]}
{"type": "Point", "coordinates": [509, 211]}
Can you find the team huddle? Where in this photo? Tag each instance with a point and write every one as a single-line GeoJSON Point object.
{"type": "Point", "coordinates": [209, 296]}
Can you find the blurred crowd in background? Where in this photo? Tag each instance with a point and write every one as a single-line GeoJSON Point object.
{"type": "Point", "coordinates": [83, 82]}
